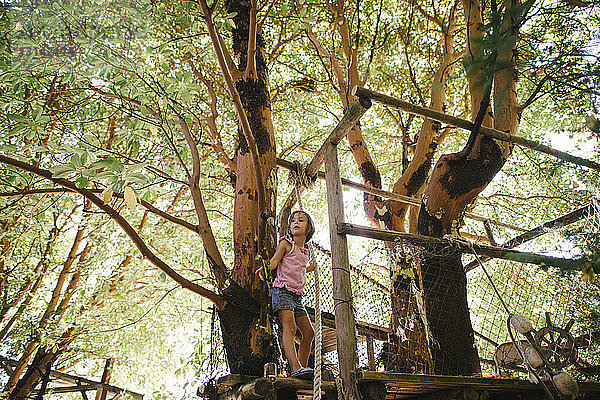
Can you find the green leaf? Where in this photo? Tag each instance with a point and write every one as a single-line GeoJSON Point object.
{"type": "Point", "coordinates": [81, 182]}
{"type": "Point", "coordinates": [136, 167]}
{"type": "Point", "coordinates": [136, 178]}
{"type": "Point", "coordinates": [116, 165]}
{"type": "Point", "coordinates": [104, 175]}
{"type": "Point", "coordinates": [18, 118]}
{"type": "Point", "coordinates": [76, 160]}
{"type": "Point", "coordinates": [135, 148]}
{"type": "Point", "coordinates": [61, 171]}
{"type": "Point", "coordinates": [107, 162]}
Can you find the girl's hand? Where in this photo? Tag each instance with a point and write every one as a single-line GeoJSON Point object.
{"type": "Point", "coordinates": [312, 265]}
{"type": "Point", "coordinates": [260, 273]}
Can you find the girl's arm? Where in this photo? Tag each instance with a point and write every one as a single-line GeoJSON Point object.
{"type": "Point", "coordinates": [283, 248]}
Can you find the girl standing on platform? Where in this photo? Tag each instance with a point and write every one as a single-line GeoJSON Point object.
{"type": "Point", "coordinates": [292, 260]}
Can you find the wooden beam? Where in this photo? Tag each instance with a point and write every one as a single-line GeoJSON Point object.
{"type": "Point", "coordinates": [564, 220]}
{"type": "Point", "coordinates": [299, 384]}
{"type": "Point", "coordinates": [227, 382]}
{"type": "Point", "coordinates": [342, 286]}
{"type": "Point", "coordinates": [442, 381]}
{"type": "Point", "coordinates": [68, 389]}
{"type": "Point", "coordinates": [463, 246]}
{"type": "Point", "coordinates": [464, 124]}
{"type": "Point", "coordinates": [396, 197]}
{"type": "Point", "coordinates": [101, 392]}
{"type": "Point", "coordinates": [252, 390]}
{"type": "Point", "coordinates": [347, 122]}
{"type": "Point", "coordinates": [370, 353]}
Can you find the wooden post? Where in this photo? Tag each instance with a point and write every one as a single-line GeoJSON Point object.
{"type": "Point", "coordinates": [342, 292]}
{"type": "Point", "coordinates": [101, 392]}
{"type": "Point", "coordinates": [370, 353]}
{"type": "Point", "coordinates": [350, 118]}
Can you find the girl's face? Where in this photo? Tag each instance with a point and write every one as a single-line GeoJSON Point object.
{"type": "Point", "coordinates": [299, 224]}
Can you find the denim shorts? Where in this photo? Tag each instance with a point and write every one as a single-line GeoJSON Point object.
{"type": "Point", "coordinates": [283, 299]}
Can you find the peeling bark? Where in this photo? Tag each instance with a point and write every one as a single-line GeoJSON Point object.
{"type": "Point", "coordinates": [248, 346]}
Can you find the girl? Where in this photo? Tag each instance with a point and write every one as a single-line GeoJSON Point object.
{"type": "Point", "coordinates": [292, 260]}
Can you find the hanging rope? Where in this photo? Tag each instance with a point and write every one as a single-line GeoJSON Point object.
{"type": "Point", "coordinates": [300, 178]}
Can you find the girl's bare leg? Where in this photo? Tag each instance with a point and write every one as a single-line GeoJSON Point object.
{"type": "Point", "coordinates": [308, 334]}
{"type": "Point", "coordinates": [289, 331]}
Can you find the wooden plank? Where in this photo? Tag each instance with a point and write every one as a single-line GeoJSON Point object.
{"type": "Point", "coordinates": [68, 389]}
{"type": "Point", "coordinates": [252, 390]}
{"type": "Point", "coordinates": [468, 125]}
{"type": "Point", "coordinates": [409, 383]}
{"type": "Point", "coordinates": [363, 328]}
{"type": "Point", "coordinates": [564, 220]}
{"type": "Point", "coordinates": [442, 381]}
{"type": "Point", "coordinates": [350, 118]}
{"type": "Point", "coordinates": [342, 286]}
{"type": "Point", "coordinates": [228, 381]}
{"type": "Point", "coordinates": [461, 245]}
{"type": "Point", "coordinates": [300, 384]}
{"type": "Point", "coordinates": [397, 197]}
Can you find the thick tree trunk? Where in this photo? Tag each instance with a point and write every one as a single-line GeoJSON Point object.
{"type": "Point", "coordinates": [455, 182]}
{"type": "Point", "coordinates": [414, 351]}
{"type": "Point", "coordinates": [444, 340]}
{"type": "Point", "coordinates": [247, 344]}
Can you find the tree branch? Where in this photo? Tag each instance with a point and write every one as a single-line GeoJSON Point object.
{"type": "Point", "coordinates": [337, 69]}
{"type": "Point", "coordinates": [204, 229]}
{"type": "Point", "coordinates": [211, 121]}
{"type": "Point", "coordinates": [122, 222]}
{"type": "Point", "coordinates": [243, 118]}
{"type": "Point", "coordinates": [145, 204]}
{"type": "Point", "coordinates": [250, 72]}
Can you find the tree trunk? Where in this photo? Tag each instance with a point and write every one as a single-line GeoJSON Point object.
{"type": "Point", "coordinates": [411, 350]}
{"type": "Point", "coordinates": [456, 181]}
{"type": "Point", "coordinates": [248, 346]}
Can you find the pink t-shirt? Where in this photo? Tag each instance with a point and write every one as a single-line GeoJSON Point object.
{"type": "Point", "coordinates": [291, 270]}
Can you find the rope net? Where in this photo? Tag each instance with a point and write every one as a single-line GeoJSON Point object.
{"type": "Point", "coordinates": [415, 341]}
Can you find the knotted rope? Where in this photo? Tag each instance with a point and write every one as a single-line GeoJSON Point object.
{"type": "Point", "coordinates": [300, 178]}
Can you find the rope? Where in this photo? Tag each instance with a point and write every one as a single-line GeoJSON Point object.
{"type": "Point", "coordinates": [301, 178]}
{"type": "Point", "coordinates": [510, 332]}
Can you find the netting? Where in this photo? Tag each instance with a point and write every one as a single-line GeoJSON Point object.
{"type": "Point", "coordinates": [424, 336]}
{"type": "Point", "coordinates": [371, 299]}
{"type": "Point", "coordinates": [554, 303]}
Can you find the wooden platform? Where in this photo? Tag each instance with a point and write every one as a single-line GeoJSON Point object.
{"type": "Point", "coordinates": [400, 386]}
{"type": "Point", "coordinates": [397, 386]}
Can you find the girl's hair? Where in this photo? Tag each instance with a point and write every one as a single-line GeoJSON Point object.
{"type": "Point", "coordinates": [310, 226]}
